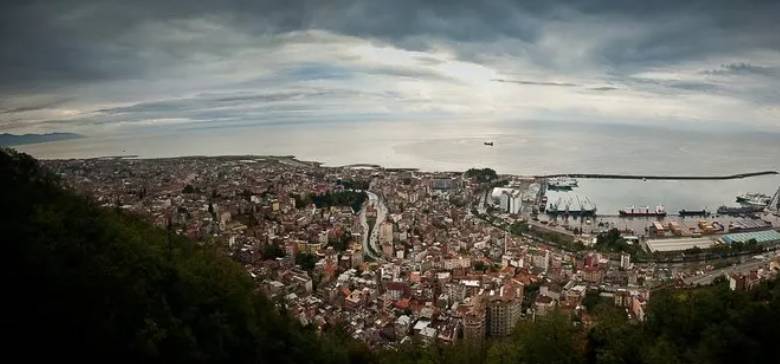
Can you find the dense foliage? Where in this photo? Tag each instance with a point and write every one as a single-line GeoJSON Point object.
{"type": "Point", "coordinates": [354, 184]}
{"type": "Point", "coordinates": [305, 260]}
{"type": "Point", "coordinates": [96, 284]}
{"type": "Point", "coordinates": [611, 242]}
{"type": "Point", "coordinates": [352, 199]}
{"type": "Point", "coordinates": [481, 175]}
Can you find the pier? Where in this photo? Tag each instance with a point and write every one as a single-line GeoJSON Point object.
{"type": "Point", "coordinates": [657, 177]}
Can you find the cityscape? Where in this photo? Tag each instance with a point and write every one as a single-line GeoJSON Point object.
{"type": "Point", "coordinates": [395, 255]}
{"type": "Point", "coordinates": [390, 182]}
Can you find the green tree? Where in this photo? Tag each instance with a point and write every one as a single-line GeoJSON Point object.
{"type": "Point", "coordinates": [272, 251]}
{"type": "Point", "coordinates": [306, 260]}
{"type": "Point", "coordinates": [481, 175]}
{"type": "Point", "coordinates": [549, 339]}
{"type": "Point", "coordinates": [188, 189]}
{"type": "Point", "coordinates": [613, 339]}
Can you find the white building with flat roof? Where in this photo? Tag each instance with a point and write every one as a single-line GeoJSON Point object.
{"type": "Point", "coordinates": [678, 244]}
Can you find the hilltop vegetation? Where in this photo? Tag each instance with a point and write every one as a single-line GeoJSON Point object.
{"type": "Point", "coordinates": [90, 283]}
{"type": "Point", "coordinates": [481, 175]}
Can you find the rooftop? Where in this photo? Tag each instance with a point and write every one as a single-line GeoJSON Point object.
{"type": "Point", "coordinates": [762, 237]}
{"type": "Point", "coordinates": [668, 245]}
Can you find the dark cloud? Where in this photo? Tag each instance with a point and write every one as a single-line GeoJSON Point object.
{"type": "Point", "coordinates": [671, 87]}
{"type": "Point", "coordinates": [33, 107]}
{"type": "Point", "coordinates": [315, 71]}
{"type": "Point", "coordinates": [560, 84]}
{"type": "Point", "coordinates": [408, 72]}
{"type": "Point", "coordinates": [58, 43]}
{"type": "Point", "coordinates": [603, 88]}
{"type": "Point", "coordinates": [744, 69]}
{"type": "Point", "coordinates": [220, 108]}
{"type": "Point", "coordinates": [60, 47]}
{"type": "Point", "coordinates": [431, 61]}
{"type": "Point", "coordinates": [538, 83]}
{"type": "Point", "coordinates": [224, 103]}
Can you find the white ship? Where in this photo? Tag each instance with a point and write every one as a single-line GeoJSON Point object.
{"type": "Point", "coordinates": [561, 183]}
{"type": "Point", "coordinates": [754, 199]}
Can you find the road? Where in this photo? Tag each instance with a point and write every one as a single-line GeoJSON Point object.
{"type": "Point", "coordinates": [370, 237]}
{"type": "Point", "coordinates": [710, 276]}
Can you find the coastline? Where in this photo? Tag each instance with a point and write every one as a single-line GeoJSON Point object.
{"type": "Point", "coordinates": [309, 163]}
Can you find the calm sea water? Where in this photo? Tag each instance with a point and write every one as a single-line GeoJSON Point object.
{"type": "Point", "coordinates": [519, 148]}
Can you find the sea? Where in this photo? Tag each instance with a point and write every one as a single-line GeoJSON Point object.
{"type": "Point", "coordinates": [520, 148]}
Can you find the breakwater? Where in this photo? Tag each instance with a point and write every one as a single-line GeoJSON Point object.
{"type": "Point", "coordinates": [658, 177]}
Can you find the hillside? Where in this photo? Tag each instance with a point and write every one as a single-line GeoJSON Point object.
{"type": "Point", "coordinates": [90, 283]}
{"type": "Point", "coordinates": [13, 139]}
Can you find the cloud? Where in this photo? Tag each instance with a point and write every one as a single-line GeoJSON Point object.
{"type": "Point", "coordinates": [603, 88]}
{"type": "Point", "coordinates": [538, 83]}
{"type": "Point", "coordinates": [744, 69]}
{"type": "Point", "coordinates": [33, 106]}
{"type": "Point", "coordinates": [119, 63]}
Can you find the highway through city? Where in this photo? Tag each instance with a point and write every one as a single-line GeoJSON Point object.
{"type": "Point", "coordinates": [708, 277]}
{"type": "Point", "coordinates": [370, 236]}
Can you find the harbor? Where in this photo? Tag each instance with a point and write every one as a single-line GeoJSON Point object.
{"type": "Point", "coordinates": [659, 198]}
{"type": "Point", "coordinates": [679, 213]}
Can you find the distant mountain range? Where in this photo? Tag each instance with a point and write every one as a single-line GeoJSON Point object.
{"type": "Point", "coordinates": [13, 139]}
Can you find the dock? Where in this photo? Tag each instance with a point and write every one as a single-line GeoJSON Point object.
{"type": "Point", "coordinates": [657, 177]}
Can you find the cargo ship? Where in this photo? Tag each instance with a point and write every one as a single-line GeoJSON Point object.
{"type": "Point", "coordinates": [575, 206]}
{"type": "Point", "coordinates": [701, 212]}
{"type": "Point", "coordinates": [754, 199]}
{"type": "Point", "coordinates": [640, 212]}
{"type": "Point", "coordinates": [739, 210]}
{"type": "Point", "coordinates": [561, 183]}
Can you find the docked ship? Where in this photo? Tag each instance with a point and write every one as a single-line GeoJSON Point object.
{"type": "Point", "coordinates": [572, 206]}
{"type": "Point", "coordinates": [561, 183]}
{"type": "Point", "coordinates": [643, 212]}
{"type": "Point", "coordinates": [754, 199]}
{"type": "Point", "coordinates": [739, 210]}
{"type": "Point", "coordinates": [702, 212]}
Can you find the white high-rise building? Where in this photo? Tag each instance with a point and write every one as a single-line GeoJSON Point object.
{"type": "Point", "coordinates": [507, 199]}
{"type": "Point", "coordinates": [625, 261]}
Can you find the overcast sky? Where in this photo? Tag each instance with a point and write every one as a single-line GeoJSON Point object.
{"type": "Point", "coordinates": [99, 67]}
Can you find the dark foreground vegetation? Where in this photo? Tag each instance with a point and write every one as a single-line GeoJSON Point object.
{"type": "Point", "coordinates": [88, 283]}
{"type": "Point", "coordinates": [351, 199]}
